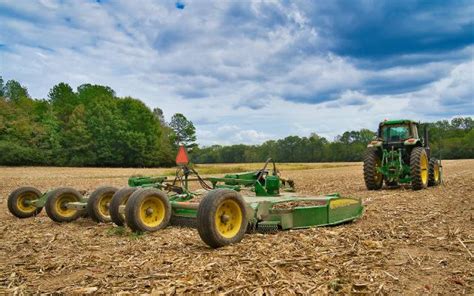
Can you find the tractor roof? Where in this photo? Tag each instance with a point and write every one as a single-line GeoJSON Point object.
{"type": "Point", "coordinates": [397, 121]}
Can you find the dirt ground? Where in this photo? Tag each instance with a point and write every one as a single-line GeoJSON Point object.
{"type": "Point", "coordinates": [407, 242]}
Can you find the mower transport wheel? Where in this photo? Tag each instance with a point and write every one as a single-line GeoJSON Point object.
{"type": "Point", "coordinates": [56, 204]}
{"type": "Point", "coordinates": [147, 209]}
{"type": "Point", "coordinates": [18, 202]}
{"type": "Point", "coordinates": [98, 204]}
{"type": "Point", "coordinates": [120, 198]}
{"type": "Point", "coordinates": [419, 168]}
{"type": "Point", "coordinates": [372, 177]}
{"type": "Point", "coordinates": [222, 218]}
{"type": "Point", "coordinates": [434, 178]}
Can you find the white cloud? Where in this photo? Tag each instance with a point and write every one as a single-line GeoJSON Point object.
{"type": "Point", "coordinates": [452, 94]}
{"type": "Point", "coordinates": [256, 75]}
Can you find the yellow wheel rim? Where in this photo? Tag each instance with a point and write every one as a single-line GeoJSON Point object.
{"type": "Point", "coordinates": [152, 211]}
{"type": "Point", "coordinates": [436, 172]}
{"type": "Point", "coordinates": [228, 218]}
{"type": "Point", "coordinates": [104, 203]}
{"type": "Point", "coordinates": [377, 174]}
{"type": "Point", "coordinates": [61, 205]}
{"type": "Point", "coordinates": [22, 202]}
{"type": "Point", "coordinates": [424, 168]}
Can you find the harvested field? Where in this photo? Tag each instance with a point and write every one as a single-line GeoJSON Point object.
{"type": "Point", "coordinates": [407, 242]}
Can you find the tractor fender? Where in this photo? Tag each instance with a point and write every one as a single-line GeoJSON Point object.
{"type": "Point", "coordinates": [374, 144]}
{"type": "Point", "coordinates": [412, 142]}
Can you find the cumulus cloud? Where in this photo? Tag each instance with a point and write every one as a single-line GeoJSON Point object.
{"type": "Point", "coordinates": [231, 134]}
{"type": "Point", "coordinates": [451, 95]}
{"type": "Point", "coordinates": [260, 69]}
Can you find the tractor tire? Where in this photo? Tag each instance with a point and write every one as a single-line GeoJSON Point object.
{"type": "Point", "coordinates": [392, 184]}
{"type": "Point", "coordinates": [434, 178]}
{"type": "Point", "coordinates": [56, 204]}
{"type": "Point", "coordinates": [16, 202]}
{"type": "Point", "coordinates": [222, 218]}
{"type": "Point", "coordinates": [373, 179]}
{"type": "Point", "coordinates": [98, 204]}
{"type": "Point", "coordinates": [147, 209]}
{"type": "Point", "coordinates": [120, 198]}
{"type": "Point", "coordinates": [419, 168]}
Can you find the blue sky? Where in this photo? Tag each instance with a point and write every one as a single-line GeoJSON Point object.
{"type": "Point", "coordinates": [248, 71]}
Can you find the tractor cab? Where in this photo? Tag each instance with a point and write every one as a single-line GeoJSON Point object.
{"type": "Point", "coordinates": [395, 133]}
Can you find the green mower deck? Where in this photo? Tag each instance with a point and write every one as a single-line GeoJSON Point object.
{"type": "Point", "coordinates": [232, 205]}
{"type": "Point", "coordinates": [273, 213]}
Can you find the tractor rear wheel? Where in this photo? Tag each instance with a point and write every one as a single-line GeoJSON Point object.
{"type": "Point", "coordinates": [19, 202]}
{"type": "Point", "coordinates": [419, 168]}
{"type": "Point", "coordinates": [120, 198]}
{"type": "Point", "coordinates": [372, 177]}
{"type": "Point", "coordinates": [391, 183]}
{"type": "Point", "coordinates": [434, 178]}
{"type": "Point", "coordinates": [98, 204]}
{"type": "Point", "coordinates": [222, 218]}
{"type": "Point", "coordinates": [56, 204]}
{"type": "Point", "coordinates": [147, 209]}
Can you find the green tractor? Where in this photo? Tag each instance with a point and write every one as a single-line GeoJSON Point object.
{"type": "Point", "coordinates": [398, 155]}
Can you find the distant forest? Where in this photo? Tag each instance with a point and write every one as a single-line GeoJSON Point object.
{"type": "Point", "coordinates": [448, 139]}
{"type": "Point", "coordinates": [91, 126]}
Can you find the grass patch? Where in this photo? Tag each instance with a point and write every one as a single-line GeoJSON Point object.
{"type": "Point", "coordinates": [221, 169]}
{"type": "Point", "coordinates": [136, 235]}
{"type": "Point", "coordinates": [209, 169]}
{"type": "Point", "coordinates": [119, 230]}
{"type": "Point", "coordinates": [227, 168]}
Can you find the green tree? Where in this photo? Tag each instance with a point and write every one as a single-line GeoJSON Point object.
{"type": "Point", "coordinates": [184, 130]}
{"type": "Point", "coordinates": [14, 91]}
{"type": "Point", "coordinates": [78, 141]}
{"type": "Point", "coordinates": [63, 100]}
{"type": "Point", "coordinates": [158, 113]}
{"type": "Point", "coordinates": [2, 92]}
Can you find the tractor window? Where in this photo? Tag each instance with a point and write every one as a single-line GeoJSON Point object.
{"type": "Point", "coordinates": [395, 133]}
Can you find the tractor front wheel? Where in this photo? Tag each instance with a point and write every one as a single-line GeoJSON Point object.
{"type": "Point", "coordinates": [372, 177]}
{"type": "Point", "coordinates": [98, 204]}
{"type": "Point", "coordinates": [434, 178]}
{"type": "Point", "coordinates": [57, 204]}
{"type": "Point", "coordinates": [222, 218]}
{"type": "Point", "coordinates": [147, 209]}
{"type": "Point", "coordinates": [19, 202]}
{"type": "Point", "coordinates": [120, 198]}
{"type": "Point", "coordinates": [419, 168]}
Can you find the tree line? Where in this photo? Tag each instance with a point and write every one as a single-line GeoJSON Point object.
{"type": "Point", "coordinates": [448, 140]}
{"type": "Point", "coordinates": [91, 126]}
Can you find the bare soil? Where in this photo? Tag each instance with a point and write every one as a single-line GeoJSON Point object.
{"type": "Point", "coordinates": [407, 242]}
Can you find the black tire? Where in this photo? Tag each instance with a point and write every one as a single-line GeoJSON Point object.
{"type": "Point", "coordinates": [120, 198]}
{"type": "Point", "coordinates": [419, 168]}
{"type": "Point", "coordinates": [16, 202]}
{"type": "Point", "coordinates": [98, 204]}
{"type": "Point", "coordinates": [209, 208]}
{"type": "Point", "coordinates": [55, 204]}
{"type": "Point", "coordinates": [373, 179]}
{"type": "Point", "coordinates": [435, 173]}
{"type": "Point", "coordinates": [391, 184]}
{"type": "Point", "coordinates": [147, 209]}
